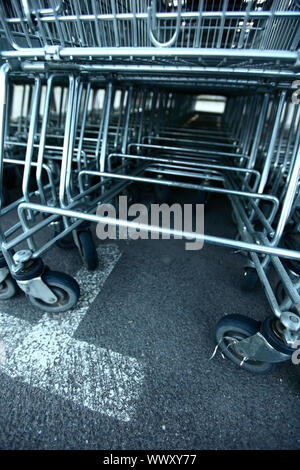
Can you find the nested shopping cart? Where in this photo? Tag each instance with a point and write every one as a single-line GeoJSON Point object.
{"type": "Point", "coordinates": [108, 92]}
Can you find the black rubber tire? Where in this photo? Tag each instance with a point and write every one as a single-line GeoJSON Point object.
{"type": "Point", "coordinates": [34, 271]}
{"type": "Point", "coordinates": [66, 243]}
{"type": "Point", "coordinates": [64, 286]}
{"type": "Point", "coordinates": [89, 252]}
{"type": "Point", "coordinates": [8, 288]}
{"type": "Point", "coordinates": [239, 327]}
{"type": "Point", "coordinates": [249, 280]}
{"type": "Point", "coordinates": [268, 332]}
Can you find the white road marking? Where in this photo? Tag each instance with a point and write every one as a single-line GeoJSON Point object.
{"type": "Point", "coordinates": [2, 352]}
{"type": "Point", "coordinates": [46, 355]}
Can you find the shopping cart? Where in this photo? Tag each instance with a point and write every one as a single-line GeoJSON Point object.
{"type": "Point", "coordinates": [120, 81]}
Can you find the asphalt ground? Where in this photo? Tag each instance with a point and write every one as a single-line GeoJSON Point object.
{"type": "Point", "coordinates": [153, 315]}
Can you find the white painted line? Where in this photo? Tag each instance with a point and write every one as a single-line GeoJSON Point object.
{"type": "Point", "coordinates": [47, 356]}
{"type": "Point", "coordinates": [2, 352]}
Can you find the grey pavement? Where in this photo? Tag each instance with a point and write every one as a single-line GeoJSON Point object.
{"type": "Point", "coordinates": [158, 307]}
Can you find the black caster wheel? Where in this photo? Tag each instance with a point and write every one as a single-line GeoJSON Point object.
{"type": "Point", "coordinates": [234, 328]}
{"type": "Point", "coordinates": [66, 243]}
{"type": "Point", "coordinates": [89, 252]}
{"type": "Point", "coordinates": [33, 269]}
{"type": "Point", "coordinates": [65, 288]}
{"type": "Point", "coordinates": [249, 280]}
{"type": "Point", "coordinates": [270, 329]}
{"type": "Point", "coordinates": [8, 288]}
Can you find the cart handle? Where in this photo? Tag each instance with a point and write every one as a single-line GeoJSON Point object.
{"type": "Point", "coordinates": [151, 25]}
{"type": "Point", "coordinates": [45, 11]}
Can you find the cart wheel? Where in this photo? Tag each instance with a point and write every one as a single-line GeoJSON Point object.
{"type": "Point", "coordinates": [66, 243]}
{"type": "Point", "coordinates": [233, 328]}
{"type": "Point", "coordinates": [249, 280]}
{"type": "Point", "coordinates": [270, 332]}
{"type": "Point", "coordinates": [65, 288]}
{"type": "Point", "coordinates": [8, 289]}
{"type": "Point", "coordinates": [89, 252]}
{"type": "Point", "coordinates": [34, 269]}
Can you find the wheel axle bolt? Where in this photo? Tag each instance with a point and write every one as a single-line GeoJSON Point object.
{"type": "Point", "coordinates": [22, 256]}
{"type": "Point", "coordinates": [290, 321]}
